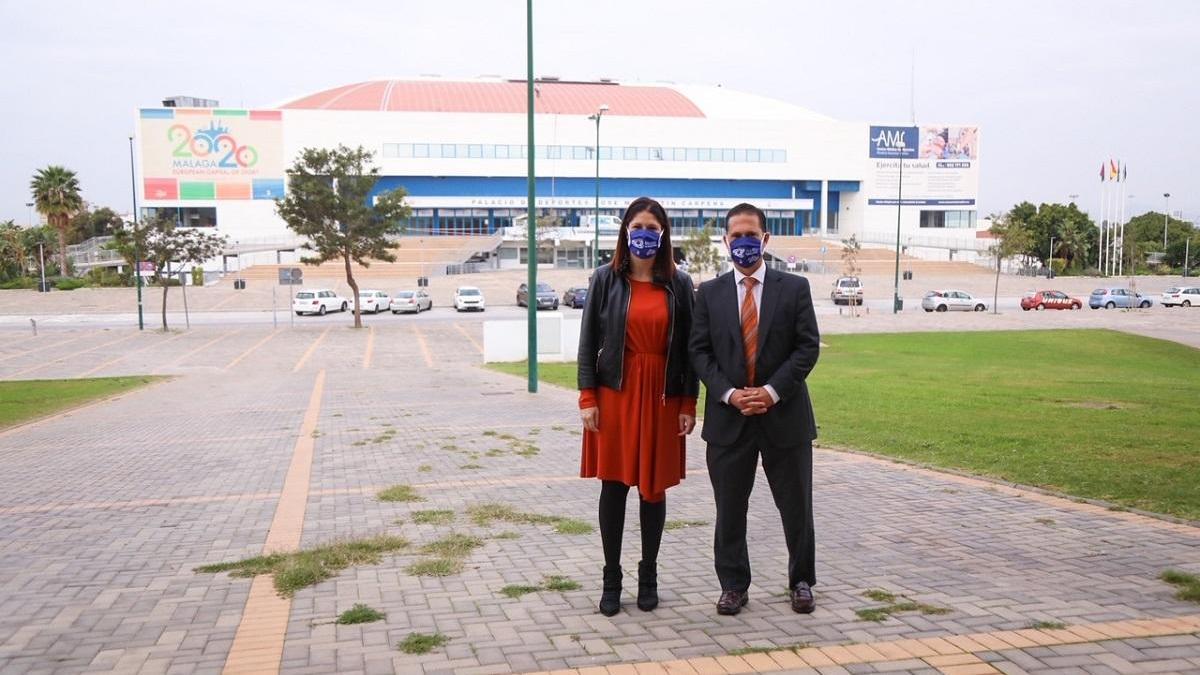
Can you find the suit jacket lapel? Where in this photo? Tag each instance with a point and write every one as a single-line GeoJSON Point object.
{"type": "Point", "coordinates": [729, 306]}
{"type": "Point", "coordinates": [770, 298]}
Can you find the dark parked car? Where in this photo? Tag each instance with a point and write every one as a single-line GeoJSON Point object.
{"type": "Point", "coordinates": [575, 297]}
{"type": "Point", "coordinates": [547, 297]}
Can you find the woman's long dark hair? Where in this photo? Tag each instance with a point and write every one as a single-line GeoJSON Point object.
{"type": "Point", "coordinates": [664, 261]}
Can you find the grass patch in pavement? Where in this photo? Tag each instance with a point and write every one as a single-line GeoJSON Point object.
{"type": "Point", "coordinates": [683, 524]}
{"type": "Point", "coordinates": [485, 514]}
{"type": "Point", "coordinates": [551, 583]}
{"type": "Point", "coordinates": [1091, 413]}
{"type": "Point", "coordinates": [1047, 625]}
{"type": "Point", "coordinates": [452, 546]}
{"type": "Point", "coordinates": [422, 643]}
{"type": "Point", "coordinates": [360, 613]}
{"type": "Point", "coordinates": [300, 569]}
{"type": "Point", "coordinates": [894, 606]}
{"type": "Point", "coordinates": [1188, 585]}
{"type": "Point", "coordinates": [435, 567]}
{"type": "Point", "coordinates": [744, 651]}
{"type": "Point", "coordinates": [399, 493]}
{"type": "Point", "coordinates": [433, 517]}
{"type": "Point", "coordinates": [27, 400]}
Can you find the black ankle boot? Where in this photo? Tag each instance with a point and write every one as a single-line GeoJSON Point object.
{"type": "Point", "coordinates": [610, 598]}
{"type": "Point", "coordinates": [647, 586]}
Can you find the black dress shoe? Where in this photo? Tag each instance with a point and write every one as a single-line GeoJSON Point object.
{"type": "Point", "coordinates": [802, 599]}
{"type": "Point", "coordinates": [731, 602]}
{"type": "Point", "coordinates": [610, 597]}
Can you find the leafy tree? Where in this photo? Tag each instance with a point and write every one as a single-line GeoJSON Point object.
{"type": "Point", "coordinates": [1146, 231]}
{"type": "Point", "coordinates": [1011, 239]}
{"type": "Point", "coordinates": [159, 240]}
{"type": "Point", "coordinates": [30, 238]}
{"type": "Point", "coordinates": [56, 195]}
{"type": "Point", "coordinates": [698, 248]}
{"type": "Point", "coordinates": [90, 223]}
{"type": "Point", "coordinates": [12, 251]}
{"type": "Point", "coordinates": [1073, 232]}
{"type": "Point", "coordinates": [331, 201]}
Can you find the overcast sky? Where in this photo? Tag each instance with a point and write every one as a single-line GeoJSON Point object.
{"type": "Point", "coordinates": [1057, 87]}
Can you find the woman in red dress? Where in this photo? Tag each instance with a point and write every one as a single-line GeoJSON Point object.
{"type": "Point", "coordinates": [638, 392]}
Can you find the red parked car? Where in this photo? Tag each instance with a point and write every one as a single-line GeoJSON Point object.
{"type": "Point", "coordinates": [1050, 300]}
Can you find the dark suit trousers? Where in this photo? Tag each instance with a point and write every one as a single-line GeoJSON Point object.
{"type": "Point", "coordinates": [789, 472]}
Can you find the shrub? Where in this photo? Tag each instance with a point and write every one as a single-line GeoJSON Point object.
{"type": "Point", "coordinates": [18, 283]}
{"type": "Point", "coordinates": [106, 277]}
{"type": "Point", "coordinates": [69, 283]}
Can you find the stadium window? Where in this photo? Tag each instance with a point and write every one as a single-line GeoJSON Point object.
{"type": "Point", "coordinates": [727, 154]}
{"type": "Point", "coordinates": [420, 149]}
{"type": "Point", "coordinates": [447, 151]}
{"type": "Point", "coordinates": [390, 150]}
{"type": "Point", "coordinates": [703, 154]}
{"type": "Point", "coordinates": [752, 154]}
{"type": "Point", "coordinates": [501, 152]}
{"type": "Point", "coordinates": [643, 154]}
{"type": "Point", "coordinates": [779, 156]}
{"type": "Point", "coordinates": [680, 155]}
{"type": "Point", "coordinates": [404, 149]}
{"type": "Point", "coordinates": [714, 154]}
{"type": "Point", "coordinates": [554, 151]}
{"type": "Point", "coordinates": [629, 152]}
{"type": "Point", "coordinates": [460, 150]}
{"type": "Point", "coordinates": [656, 154]}
{"type": "Point", "coordinates": [606, 152]}
{"type": "Point", "coordinates": [475, 151]}
{"type": "Point", "coordinates": [489, 152]}
{"type": "Point", "coordinates": [933, 219]}
{"type": "Point", "coordinates": [693, 154]}
{"type": "Point", "coordinates": [739, 155]}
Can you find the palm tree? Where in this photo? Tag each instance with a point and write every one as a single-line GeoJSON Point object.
{"type": "Point", "coordinates": [56, 194]}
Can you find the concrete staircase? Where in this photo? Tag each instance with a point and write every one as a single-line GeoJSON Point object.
{"type": "Point", "coordinates": [415, 257]}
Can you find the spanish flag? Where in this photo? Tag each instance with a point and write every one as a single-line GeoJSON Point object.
{"type": "Point", "coordinates": [1115, 173]}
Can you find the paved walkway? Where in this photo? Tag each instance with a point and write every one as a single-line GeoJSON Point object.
{"type": "Point", "coordinates": [271, 440]}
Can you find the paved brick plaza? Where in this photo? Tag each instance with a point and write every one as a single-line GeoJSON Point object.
{"type": "Point", "coordinates": [277, 437]}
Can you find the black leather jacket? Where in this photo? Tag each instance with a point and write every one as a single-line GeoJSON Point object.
{"type": "Point", "coordinates": [602, 335]}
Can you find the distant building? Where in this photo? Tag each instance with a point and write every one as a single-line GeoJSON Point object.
{"type": "Point", "coordinates": [458, 148]}
{"type": "Point", "coordinates": [189, 102]}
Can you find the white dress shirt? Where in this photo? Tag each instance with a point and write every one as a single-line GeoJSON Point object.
{"type": "Point", "coordinates": [759, 275]}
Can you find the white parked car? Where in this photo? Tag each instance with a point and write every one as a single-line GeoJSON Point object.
{"type": "Point", "coordinates": [411, 302]}
{"type": "Point", "coordinates": [318, 301]}
{"type": "Point", "coordinates": [951, 301]}
{"type": "Point", "coordinates": [846, 291]}
{"type": "Point", "coordinates": [1183, 296]}
{"type": "Point", "coordinates": [374, 301]}
{"type": "Point", "coordinates": [468, 299]}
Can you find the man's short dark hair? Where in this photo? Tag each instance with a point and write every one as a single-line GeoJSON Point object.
{"type": "Point", "coordinates": [745, 208]}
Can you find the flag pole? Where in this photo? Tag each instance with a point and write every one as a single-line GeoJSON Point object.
{"type": "Point", "coordinates": [1122, 237]}
{"type": "Point", "coordinates": [1103, 230]}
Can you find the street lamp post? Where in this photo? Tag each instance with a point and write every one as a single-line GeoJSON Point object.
{"type": "Point", "coordinates": [899, 201]}
{"type": "Point", "coordinates": [1051, 263]}
{"type": "Point", "coordinates": [1166, 218]}
{"type": "Point", "coordinates": [137, 254]}
{"type": "Point", "coordinates": [531, 208]}
{"type": "Point", "coordinates": [596, 225]}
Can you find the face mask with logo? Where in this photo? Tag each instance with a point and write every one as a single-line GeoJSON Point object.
{"type": "Point", "coordinates": [644, 243]}
{"type": "Point", "coordinates": [745, 251]}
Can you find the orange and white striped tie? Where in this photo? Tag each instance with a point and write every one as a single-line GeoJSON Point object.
{"type": "Point", "coordinates": [750, 328]}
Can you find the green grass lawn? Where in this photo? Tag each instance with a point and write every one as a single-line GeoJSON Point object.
{"type": "Point", "coordinates": [24, 400]}
{"type": "Point", "coordinates": [1092, 413]}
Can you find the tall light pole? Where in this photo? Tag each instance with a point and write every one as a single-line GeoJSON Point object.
{"type": "Point", "coordinates": [1166, 218]}
{"type": "Point", "coordinates": [531, 210]}
{"type": "Point", "coordinates": [899, 200]}
{"type": "Point", "coordinates": [1051, 274]}
{"type": "Point", "coordinates": [137, 254]}
{"type": "Point", "coordinates": [596, 225]}
{"type": "Point", "coordinates": [41, 252]}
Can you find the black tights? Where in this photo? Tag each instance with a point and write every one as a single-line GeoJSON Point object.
{"type": "Point", "coordinates": [612, 523]}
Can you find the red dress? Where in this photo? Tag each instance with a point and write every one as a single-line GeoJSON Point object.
{"type": "Point", "coordinates": [639, 443]}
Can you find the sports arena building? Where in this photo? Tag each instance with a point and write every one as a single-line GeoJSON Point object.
{"type": "Point", "coordinates": [458, 148]}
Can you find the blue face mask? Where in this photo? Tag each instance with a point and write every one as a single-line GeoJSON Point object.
{"type": "Point", "coordinates": [745, 251]}
{"type": "Point", "coordinates": [644, 243]}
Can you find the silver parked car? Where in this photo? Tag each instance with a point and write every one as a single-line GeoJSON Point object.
{"type": "Point", "coordinates": [411, 302]}
{"type": "Point", "coordinates": [1110, 298]}
{"type": "Point", "coordinates": [951, 300]}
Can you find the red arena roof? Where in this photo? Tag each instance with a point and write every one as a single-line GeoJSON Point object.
{"type": "Point", "coordinates": [567, 98]}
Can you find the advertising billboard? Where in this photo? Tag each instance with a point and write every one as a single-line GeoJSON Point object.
{"type": "Point", "coordinates": [941, 165]}
{"type": "Point", "coordinates": [211, 154]}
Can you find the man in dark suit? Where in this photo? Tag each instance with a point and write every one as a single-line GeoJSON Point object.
{"type": "Point", "coordinates": [754, 341]}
